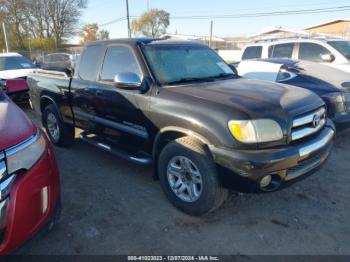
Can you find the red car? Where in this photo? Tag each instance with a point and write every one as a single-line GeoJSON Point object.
{"type": "Point", "coordinates": [29, 178]}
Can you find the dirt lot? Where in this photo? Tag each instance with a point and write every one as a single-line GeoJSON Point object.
{"type": "Point", "coordinates": [113, 207]}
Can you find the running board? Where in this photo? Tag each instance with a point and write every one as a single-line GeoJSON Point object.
{"type": "Point", "coordinates": [138, 158]}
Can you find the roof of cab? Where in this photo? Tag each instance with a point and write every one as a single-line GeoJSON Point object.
{"type": "Point", "coordinates": [147, 41]}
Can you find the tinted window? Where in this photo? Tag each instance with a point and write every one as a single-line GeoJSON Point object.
{"type": "Point", "coordinates": [119, 60]}
{"type": "Point", "coordinates": [281, 51]}
{"type": "Point", "coordinates": [252, 52]}
{"type": "Point", "coordinates": [15, 62]}
{"type": "Point", "coordinates": [59, 58]}
{"type": "Point", "coordinates": [312, 52]}
{"type": "Point", "coordinates": [88, 65]}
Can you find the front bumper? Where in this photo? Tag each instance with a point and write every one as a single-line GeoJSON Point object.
{"type": "Point", "coordinates": [285, 164]}
{"type": "Point", "coordinates": [24, 215]}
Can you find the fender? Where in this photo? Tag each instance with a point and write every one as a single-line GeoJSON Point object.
{"type": "Point", "coordinates": [49, 98]}
{"type": "Point", "coordinates": [53, 102]}
{"type": "Point", "coordinates": [167, 129]}
{"type": "Point", "coordinates": [181, 130]}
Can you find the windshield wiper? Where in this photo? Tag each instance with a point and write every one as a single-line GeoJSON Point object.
{"type": "Point", "coordinates": [223, 75]}
{"type": "Point", "coordinates": [188, 79]}
{"type": "Point", "coordinates": [200, 79]}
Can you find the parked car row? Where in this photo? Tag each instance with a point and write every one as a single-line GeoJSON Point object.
{"type": "Point", "coordinates": [178, 106]}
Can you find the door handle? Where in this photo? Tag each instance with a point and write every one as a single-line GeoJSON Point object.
{"type": "Point", "coordinates": [99, 93]}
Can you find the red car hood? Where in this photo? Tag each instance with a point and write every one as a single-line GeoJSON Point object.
{"type": "Point", "coordinates": [15, 126]}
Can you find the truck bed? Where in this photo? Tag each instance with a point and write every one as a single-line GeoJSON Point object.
{"type": "Point", "coordinates": [51, 84]}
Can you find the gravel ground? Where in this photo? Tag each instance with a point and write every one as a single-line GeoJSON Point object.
{"type": "Point", "coordinates": [114, 207]}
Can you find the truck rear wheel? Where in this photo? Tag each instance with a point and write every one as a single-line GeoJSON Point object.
{"type": "Point", "coordinates": [59, 133]}
{"type": "Point", "coordinates": [189, 177]}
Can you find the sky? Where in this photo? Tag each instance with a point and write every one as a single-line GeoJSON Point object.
{"type": "Point", "coordinates": [104, 11]}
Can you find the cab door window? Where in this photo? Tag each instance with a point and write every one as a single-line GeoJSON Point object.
{"type": "Point", "coordinates": [312, 52]}
{"type": "Point", "coordinates": [119, 59]}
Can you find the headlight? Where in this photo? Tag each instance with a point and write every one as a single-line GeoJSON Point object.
{"type": "Point", "coordinates": [255, 131]}
{"type": "Point", "coordinates": [335, 102]}
{"type": "Point", "coordinates": [26, 154]}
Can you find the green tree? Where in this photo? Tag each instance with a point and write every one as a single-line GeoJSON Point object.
{"type": "Point", "coordinates": [90, 33]}
{"type": "Point", "coordinates": [103, 35]}
{"type": "Point", "coordinates": [40, 19]}
{"type": "Point", "coordinates": [152, 23]}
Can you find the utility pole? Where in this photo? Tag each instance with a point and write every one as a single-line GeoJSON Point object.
{"type": "Point", "coordinates": [128, 18]}
{"type": "Point", "coordinates": [147, 5]}
{"type": "Point", "coordinates": [211, 34]}
{"type": "Point", "coordinates": [5, 36]}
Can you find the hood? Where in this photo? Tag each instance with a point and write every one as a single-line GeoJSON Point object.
{"type": "Point", "coordinates": [15, 126]}
{"type": "Point", "coordinates": [342, 67]}
{"type": "Point", "coordinates": [258, 99]}
{"type": "Point", "coordinates": [333, 76]}
{"type": "Point", "coordinates": [18, 73]}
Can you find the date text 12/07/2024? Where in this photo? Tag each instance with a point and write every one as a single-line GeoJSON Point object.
{"type": "Point", "coordinates": [173, 258]}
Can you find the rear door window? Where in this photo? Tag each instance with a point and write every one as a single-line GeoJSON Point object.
{"type": "Point", "coordinates": [312, 52]}
{"type": "Point", "coordinates": [88, 65]}
{"type": "Point", "coordinates": [252, 52]}
{"type": "Point", "coordinates": [281, 51]}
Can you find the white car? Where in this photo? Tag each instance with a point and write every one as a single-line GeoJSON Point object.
{"type": "Point", "coordinates": [13, 65]}
{"type": "Point", "coordinates": [334, 52]}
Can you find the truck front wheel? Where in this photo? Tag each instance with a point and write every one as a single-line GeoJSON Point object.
{"type": "Point", "coordinates": [59, 133]}
{"type": "Point", "coordinates": [189, 178]}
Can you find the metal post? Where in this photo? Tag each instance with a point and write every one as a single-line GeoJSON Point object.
{"type": "Point", "coordinates": [128, 18]}
{"type": "Point", "coordinates": [211, 34]}
{"type": "Point", "coordinates": [5, 36]}
{"type": "Point", "coordinates": [147, 5]}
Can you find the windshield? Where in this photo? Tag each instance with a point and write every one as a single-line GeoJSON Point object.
{"type": "Point", "coordinates": [341, 46]}
{"type": "Point", "coordinates": [172, 64]}
{"type": "Point", "coordinates": [15, 62]}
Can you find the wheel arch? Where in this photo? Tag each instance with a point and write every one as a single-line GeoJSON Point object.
{"type": "Point", "coordinates": [168, 134]}
{"type": "Point", "coordinates": [45, 101]}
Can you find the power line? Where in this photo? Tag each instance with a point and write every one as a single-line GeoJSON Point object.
{"type": "Point", "coordinates": [249, 15]}
{"type": "Point", "coordinates": [277, 6]}
{"type": "Point", "coordinates": [263, 14]}
{"type": "Point", "coordinates": [120, 19]}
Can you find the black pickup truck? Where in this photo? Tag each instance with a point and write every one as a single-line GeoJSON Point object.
{"type": "Point", "coordinates": [179, 106]}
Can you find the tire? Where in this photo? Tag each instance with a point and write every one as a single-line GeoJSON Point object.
{"type": "Point", "coordinates": [65, 133]}
{"type": "Point", "coordinates": [208, 194]}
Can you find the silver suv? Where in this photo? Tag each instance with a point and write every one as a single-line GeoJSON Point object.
{"type": "Point", "coordinates": [330, 51]}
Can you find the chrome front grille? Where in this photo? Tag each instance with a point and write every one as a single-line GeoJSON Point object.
{"type": "Point", "coordinates": [308, 124]}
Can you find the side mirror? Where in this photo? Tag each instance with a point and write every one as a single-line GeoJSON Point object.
{"type": "Point", "coordinates": [327, 58]}
{"type": "Point", "coordinates": [127, 81]}
{"type": "Point", "coordinates": [16, 86]}
{"type": "Point", "coordinates": [233, 68]}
